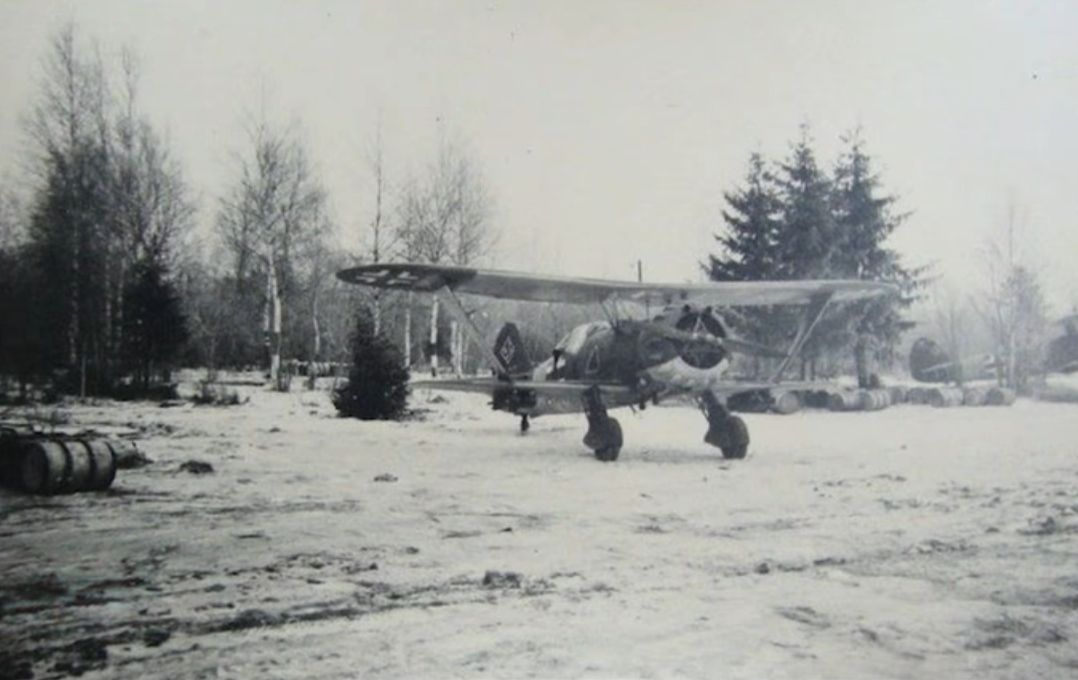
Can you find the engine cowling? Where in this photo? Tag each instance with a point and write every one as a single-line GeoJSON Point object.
{"type": "Point", "coordinates": [701, 354]}
{"type": "Point", "coordinates": [694, 341]}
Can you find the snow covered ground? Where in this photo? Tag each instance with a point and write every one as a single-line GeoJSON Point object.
{"type": "Point", "coordinates": [909, 542]}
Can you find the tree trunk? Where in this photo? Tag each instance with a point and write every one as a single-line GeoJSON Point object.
{"type": "Point", "coordinates": [76, 350]}
{"type": "Point", "coordinates": [434, 338]}
{"type": "Point", "coordinates": [408, 331]}
{"type": "Point", "coordinates": [316, 354]}
{"type": "Point", "coordinates": [376, 312]}
{"type": "Point", "coordinates": [274, 330]}
{"type": "Point", "coordinates": [860, 359]}
{"type": "Point", "coordinates": [119, 307]}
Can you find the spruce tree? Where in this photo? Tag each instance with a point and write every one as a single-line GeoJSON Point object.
{"type": "Point", "coordinates": [750, 250]}
{"type": "Point", "coordinates": [154, 327]}
{"type": "Point", "coordinates": [864, 220]}
{"type": "Point", "coordinates": [798, 223]}
{"type": "Point", "coordinates": [377, 387]}
{"type": "Point", "coordinates": [750, 240]}
{"type": "Point", "coordinates": [806, 233]}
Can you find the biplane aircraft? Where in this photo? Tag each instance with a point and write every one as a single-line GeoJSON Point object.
{"type": "Point", "coordinates": [930, 363]}
{"type": "Point", "coordinates": [620, 360]}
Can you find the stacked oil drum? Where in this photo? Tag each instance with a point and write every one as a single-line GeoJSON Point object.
{"type": "Point", "coordinates": [937, 396]}
{"type": "Point", "coordinates": [45, 464]}
{"type": "Point", "coordinates": [943, 397]}
{"type": "Point", "coordinates": [783, 402]}
{"type": "Point", "coordinates": [859, 400]}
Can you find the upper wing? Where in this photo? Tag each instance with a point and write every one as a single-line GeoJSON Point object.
{"type": "Point", "coordinates": [535, 288]}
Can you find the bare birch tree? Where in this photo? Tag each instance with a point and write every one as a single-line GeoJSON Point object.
{"type": "Point", "coordinates": [1013, 306]}
{"type": "Point", "coordinates": [275, 211]}
{"type": "Point", "coordinates": [107, 195]}
{"type": "Point", "coordinates": [444, 218]}
{"type": "Point", "coordinates": [376, 164]}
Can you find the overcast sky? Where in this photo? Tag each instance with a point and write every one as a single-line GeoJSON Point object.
{"type": "Point", "coordinates": [607, 130]}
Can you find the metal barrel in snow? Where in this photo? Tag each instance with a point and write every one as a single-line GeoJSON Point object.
{"type": "Point", "coordinates": [785, 403]}
{"type": "Point", "coordinates": [51, 466]}
{"type": "Point", "coordinates": [916, 395]}
{"type": "Point", "coordinates": [898, 394]}
{"type": "Point", "coordinates": [104, 464]}
{"type": "Point", "coordinates": [844, 401]}
{"type": "Point", "coordinates": [999, 396]}
{"type": "Point", "coordinates": [815, 398]}
{"type": "Point", "coordinates": [942, 397]}
{"type": "Point", "coordinates": [974, 396]}
{"type": "Point", "coordinates": [43, 467]}
{"type": "Point", "coordinates": [873, 400]}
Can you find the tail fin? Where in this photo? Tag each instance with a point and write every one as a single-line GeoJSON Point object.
{"type": "Point", "coordinates": [509, 350]}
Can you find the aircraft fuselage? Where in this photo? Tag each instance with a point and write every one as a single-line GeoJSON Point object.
{"type": "Point", "coordinates": [631, 354]}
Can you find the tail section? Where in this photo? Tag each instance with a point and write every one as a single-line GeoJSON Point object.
{"type": "Point", "coordinates": [509, 351]}
{"type": "Point", "coordinates": [931, 363]}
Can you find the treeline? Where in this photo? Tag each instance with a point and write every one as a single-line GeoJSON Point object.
{"type": "Point", "coordinates": [87, 260]}
{"type": "Point", "coordinates": [792, 219]}
{"type": "Point", "coordinates": [112, 272]}
{"type": "Point", "coordinates": [1009, 317]}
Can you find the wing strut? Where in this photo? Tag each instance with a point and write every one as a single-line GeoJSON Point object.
{"type": "Point", "coordinates": [813, 314]}
{"type": "Point", "coordinates": [452, 302]}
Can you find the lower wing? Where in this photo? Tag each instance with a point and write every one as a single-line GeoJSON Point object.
{"type": "Point", "coordinates": [731, 387]}
{"type": "Point", "coordinates": [613, 392]}
{"type": "Point", "coordinates": [549, 387]}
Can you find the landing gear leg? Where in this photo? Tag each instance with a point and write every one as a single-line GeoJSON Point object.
{"type": "Point", "coordinates": [524, 424]}
{"type": "Point", "coordinates": [604, 433]}
{"type": "Point", "coordinates": [728, 432]}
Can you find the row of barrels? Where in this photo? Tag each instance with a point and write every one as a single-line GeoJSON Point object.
{"type": "Point", "coordinates": [57, 466]}
{"type": "Point", "coordinates": [859, 400]}
{"type": "Point", "coordinates": [939, 397]}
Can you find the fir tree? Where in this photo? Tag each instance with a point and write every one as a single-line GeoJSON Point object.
{"type": "Point", "coordinates": [864, 220]}
{"type": "Point", "coordinates": [801, 224]}
{"type": "Point", "coordinates": [377, 387]}
{"type": "Point", "coordinates": [752, 223]}
{"type": "Point", "coordinates": [154, 327]}
{"type": "Point", "coordinates": [806, 233]}
{"type": "Point", "coordinates": [863, 217]}
{"type": "Point", "coordinates": [751, 251]}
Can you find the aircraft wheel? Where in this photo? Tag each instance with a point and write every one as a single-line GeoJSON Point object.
{"type": "Point", "coordinates": [731, 436]}
{"type": "Point", "coordinates": [610, 440]}
{"type": "Point", "coordinates": [737, 439]}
